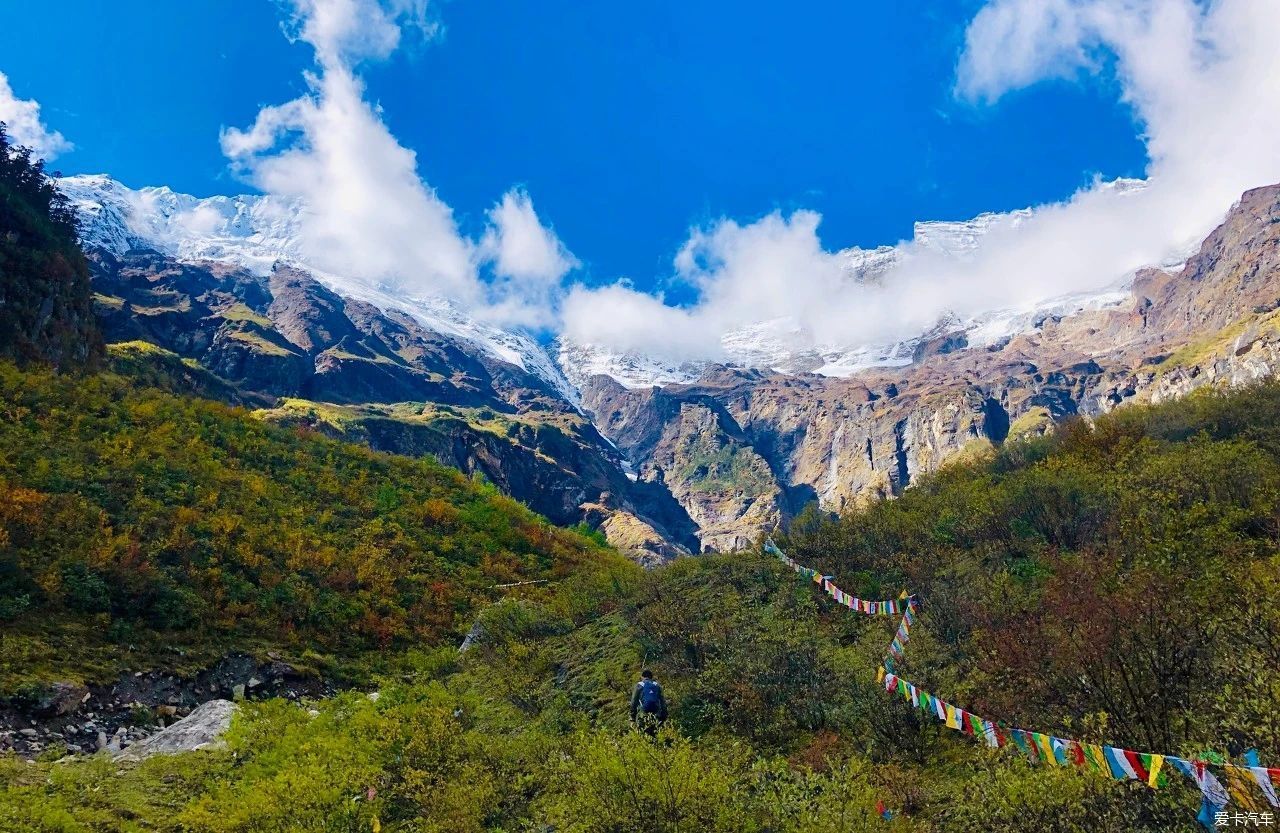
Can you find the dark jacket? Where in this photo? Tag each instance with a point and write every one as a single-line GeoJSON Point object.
{"type": "Point", "coordinates": [635, 701]}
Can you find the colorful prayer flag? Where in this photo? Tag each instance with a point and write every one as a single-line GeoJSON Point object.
{"type": "Point", "coordinates": [1022, 738]}
{"type": "Point", "coordinates": [1213, 796]}
{"type": "Point", "coordinates": [1096, 758]}
{"type": "Point", "coordinates": [1152, 763]}
{"type": "Point", "coordinates": [1135, 763]}
{"type": "Point", "coordinates": [1044, 745]}
{"type": "Point", "coordinates": [1263, 777]}
{"type": "Point", "coordinates": [1243, 789]}
{"type": "Point", "coordinates": [1118, 763]}
{"type": "Point", "coordinates": [1243, 782]}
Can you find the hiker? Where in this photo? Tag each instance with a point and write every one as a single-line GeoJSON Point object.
{"type": "Point", "coordinates": [648, 706]}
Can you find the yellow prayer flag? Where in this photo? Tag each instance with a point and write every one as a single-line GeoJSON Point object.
{"type": "Point", "coordinates": [880, 674]}
{"type": "Point", "coordinates": [953, 720]}
{"type": "Point", "coordinates": [1097, 758]}
{"type": "Point", "coordinates": [1045, 744]}
{"type": "Point", "coordinates": [1153, 771]}
{"type": "Point", "coordinates": [1244, 790]}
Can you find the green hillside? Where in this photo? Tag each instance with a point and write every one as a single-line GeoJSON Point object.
{"type": "Point", "coordinates": [130, 516]}
{"type": "Point", "coordinates": [1113, 583]}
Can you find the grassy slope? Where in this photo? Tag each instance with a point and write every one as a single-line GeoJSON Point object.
{"type": "Point", "coordinates": [133, 517]}
{"type": "Point", "coordinates": [1142, 550]}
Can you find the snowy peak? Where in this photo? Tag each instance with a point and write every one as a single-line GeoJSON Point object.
{"type": "Point", "coordinates": [249, 231]}
{"type": "Point", "coordinates": [783, 345]}
{"type": "Point", "coordinates": [257, 232]}
{"type": "Point", "coordinates": [580, 362]}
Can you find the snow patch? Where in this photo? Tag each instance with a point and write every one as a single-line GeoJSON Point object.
{"type": "Point", "coordinates": [256, 233]}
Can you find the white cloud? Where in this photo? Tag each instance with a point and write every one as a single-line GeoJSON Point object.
{"type": "Point", "coordinates": [628, 320]}
{"type": "Point", "coordinates": [1203, 81]}
{"type": "Point", "coordinates": [22, 121]}
{"type": "Point", "coordinates": [528, 260]}
{"type": "Point", "coordinates": [369, 215]}
{"type": "Point", "coordinates": [348, 31]}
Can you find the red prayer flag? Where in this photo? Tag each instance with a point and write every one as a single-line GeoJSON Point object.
{"type": "Point", "coordinates": [1136, 762]}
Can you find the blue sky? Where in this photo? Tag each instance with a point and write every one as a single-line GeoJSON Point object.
{"type": "Point", "coordinates": [627, 123]}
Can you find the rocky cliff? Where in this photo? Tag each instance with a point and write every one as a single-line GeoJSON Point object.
{"type": "Point", "coordinates": [744, 449]}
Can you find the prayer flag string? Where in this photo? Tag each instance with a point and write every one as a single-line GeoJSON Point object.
{"type": "Point", "coordinates": [1121, 764]}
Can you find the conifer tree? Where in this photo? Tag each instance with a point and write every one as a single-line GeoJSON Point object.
{"type": "Point", "coordinates": [46, 304]}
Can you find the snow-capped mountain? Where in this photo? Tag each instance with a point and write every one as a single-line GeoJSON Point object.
{"type": "Point", "coordinates": [250, 231]}
{"type": "Point", "coordinates": [677, 454]}
{"type": "Point", "coordinates": [783, 345]}
{"type": "Point", "coordinates": [257, 232]}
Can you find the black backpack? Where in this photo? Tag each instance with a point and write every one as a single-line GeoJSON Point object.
{"type": "Point", "coordinates": [650, 697]}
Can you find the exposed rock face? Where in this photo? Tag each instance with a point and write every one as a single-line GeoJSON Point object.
{"type": "Point", "coordinates": [202, 729]}
{"type": "Point", "coordinates": [83, 719]}
{"type": "Point", "coordinates": [743, 449]}
{"type": "Point", "coordinates": [685, 442]}
{"type": "Point", "coordinates": [57, 699]}
{"type": "Point", "coordinates": [397, 386]}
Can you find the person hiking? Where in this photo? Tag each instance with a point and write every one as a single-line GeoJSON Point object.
{"type": "Point", "coordinates": [648, 706]}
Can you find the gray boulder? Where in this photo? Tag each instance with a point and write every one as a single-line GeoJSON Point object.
{"type": "Point", "coordinates": [202, 729]}
{"type": "Point", "coordinates": [56, 699]}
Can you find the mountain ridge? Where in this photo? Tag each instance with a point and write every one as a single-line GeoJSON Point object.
{"type": "Point", "coordinates": [689, 455]}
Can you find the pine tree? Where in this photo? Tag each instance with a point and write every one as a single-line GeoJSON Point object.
{"type": "Point", "coordinates": [46, 304]}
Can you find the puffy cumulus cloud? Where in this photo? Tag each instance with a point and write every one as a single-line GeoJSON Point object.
{"type": "Point", "coordinates": [368, 215]}
{"type": "Point", "coordinates": [772, 268]}
{"type": "Point", "coordinates": [22, 121]}
{"type": "Point", "coordinates": [1203, 80]}
{"type": "Point", "coordinates": [528, 262]}
{"type": "Point", "coordinates": [775, 265]}
{"type": "Point", "coordinates": [347, 31]}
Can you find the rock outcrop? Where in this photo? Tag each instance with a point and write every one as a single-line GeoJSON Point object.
{"type": "Point", "coordinates": [202, 729]}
